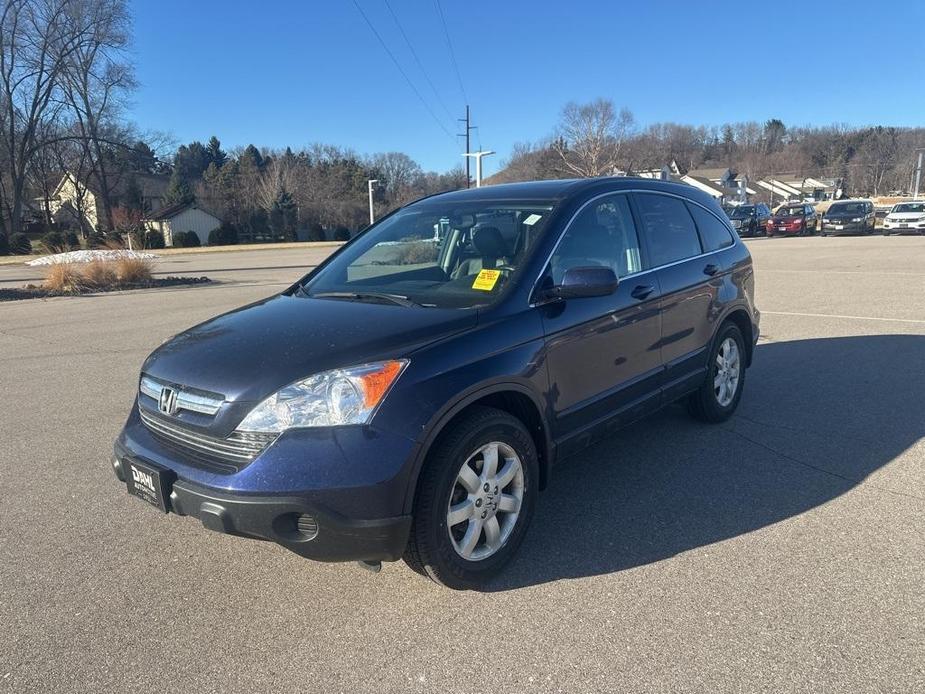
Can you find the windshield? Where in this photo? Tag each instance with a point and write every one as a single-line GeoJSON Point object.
{"type": "Point", "coordinates": [847, 208]}
{"type": "Point", "coordinates": [448, 255]}
{"type": "Point", "coordinates": [742, 212]}
{"type": "Point", "coordinates": [790, 211]}
{"type": "Point", "coordinates": [909, 207]}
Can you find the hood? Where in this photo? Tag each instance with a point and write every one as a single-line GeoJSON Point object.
{"type": "Point", "coordinates": [250, 353]}
{"type": "Point", "coordinates": [779, 219]}
{"type": "Point", "coordinates": [902, 216]}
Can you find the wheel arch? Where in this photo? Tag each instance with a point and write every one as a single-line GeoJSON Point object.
{"type": "Point", "coordinates": [514, 398]}
{"type": "Point", "coordinates": [741, 318]}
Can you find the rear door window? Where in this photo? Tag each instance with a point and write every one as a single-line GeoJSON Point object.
{"type": "Point", "coordinates": [668, 227]}
{"type": "Point", "coordinates": [713, 233]}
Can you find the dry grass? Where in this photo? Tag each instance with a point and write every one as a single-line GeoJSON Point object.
{"type": "Point", "coordinates": [417, 252]}
{"type": "Point", "coordinates": [132, 270]}
{"type": "Point", "coordinates": [99, 274]}
{"type": "Point", "coordinates": [72, 278]}
{"type": "Point", "coordinates": [63, 277]}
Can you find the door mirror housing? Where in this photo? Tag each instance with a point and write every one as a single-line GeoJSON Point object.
{"type": "Point", "coordinates": [581, 282]}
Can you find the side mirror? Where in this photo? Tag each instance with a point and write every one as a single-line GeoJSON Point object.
{"type": "Point", "coordinates": [581, 282]}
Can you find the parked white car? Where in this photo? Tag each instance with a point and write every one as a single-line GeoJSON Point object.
{"type": "Point", "coordinates": [905, 218]}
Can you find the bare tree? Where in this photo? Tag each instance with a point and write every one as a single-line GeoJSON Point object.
{"type": "Point", "coordinates": [589, 137]}
{"type": "Point", "coordinates": [400, 174]}
{"type": "Point", "coordinates": [36, 39]}
{"type": "Point", "coordinates": [95, 79]}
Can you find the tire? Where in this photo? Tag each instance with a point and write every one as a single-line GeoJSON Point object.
{"type": "Point", "coordinates": [704, 403]}
{"type": "Point", "coordinates": [436, 550]}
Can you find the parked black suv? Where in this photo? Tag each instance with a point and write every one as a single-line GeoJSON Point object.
{"type": "Point", "coordinates": [749, 220]}
{"type": "Point", "coordinates": [410, 396]}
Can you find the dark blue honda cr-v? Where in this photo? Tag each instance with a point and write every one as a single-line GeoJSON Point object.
{"type": "Point", "coordinates": [411, 396]}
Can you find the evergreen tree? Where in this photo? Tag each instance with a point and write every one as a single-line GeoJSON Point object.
{"type": "Point", "coordinates": [178, 190]}
{"type": "Point", "coordinates": [216, 155]}
{"type": "Point", "coordinates": [133, 198]}
{"type": "Point", "coordinates": [284, 217]}
{"type": "Point", "coordinates": [252, 154]}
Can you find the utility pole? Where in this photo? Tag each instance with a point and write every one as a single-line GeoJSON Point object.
{"type": "Point", "coordinates": [372, 215]}
{"type": "Point", "coordinates": [918, 173]}
{"type": "Point", "coordinates": [469, 128]}
{"type": "Point", "coordinates": [478, 164]}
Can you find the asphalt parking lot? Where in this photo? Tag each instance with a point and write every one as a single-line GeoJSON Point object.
{"type": "Point", "coordinates": [782, 551]}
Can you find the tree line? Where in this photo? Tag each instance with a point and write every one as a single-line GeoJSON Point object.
{"type": "Point", "coordinates": [65, 78]}
{"type": "Point", "coordinates": [596, 138]}
{"type": "Point", "coordinates": [321, 189]}
{"type": "Point", "coordinates": [66, 75]}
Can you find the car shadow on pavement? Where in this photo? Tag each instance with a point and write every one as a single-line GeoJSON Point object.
{"type": "Point", "coordinates": [817, 418]}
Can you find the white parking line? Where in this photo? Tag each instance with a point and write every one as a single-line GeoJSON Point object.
{"type": "Point", "coordinates": [849, 272]}
{"type": "Point", "coordinates": [835, 315]}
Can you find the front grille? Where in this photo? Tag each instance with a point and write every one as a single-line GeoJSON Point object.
{"type": "Point", "coordinates": [227, 455]}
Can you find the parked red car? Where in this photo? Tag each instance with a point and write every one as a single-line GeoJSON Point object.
{"type": "Point", "coordinates": [793, 219]}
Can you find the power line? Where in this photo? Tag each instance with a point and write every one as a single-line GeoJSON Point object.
{"type": "Point", "coordinates": [449, 43]}
{"type": "Point", "coordinates": [403, 73]}
{"type": "Point", "coordinates": [417, 60]}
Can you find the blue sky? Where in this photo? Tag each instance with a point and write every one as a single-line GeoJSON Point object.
{"type": "Point", "coordinates": [279, 73]}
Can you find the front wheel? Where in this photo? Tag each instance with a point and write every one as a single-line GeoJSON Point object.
{"type": "Point", "coordinates": [719, 396]}
{"type": "Point", "coordinates": [475, 499]}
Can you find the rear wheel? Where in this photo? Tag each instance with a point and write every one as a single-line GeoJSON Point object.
{"type": "Point", "coordinates": [475, 499]}
{"type": "Point", "coordinates": [719, 396]}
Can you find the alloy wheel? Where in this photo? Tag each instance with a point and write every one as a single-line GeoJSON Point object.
{"type": "Point", "coordinates": [486, 501]}
{"type": "Point", "coordinates": [728, 370]}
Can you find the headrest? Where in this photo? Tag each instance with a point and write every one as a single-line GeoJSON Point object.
{"type": "Point", "coordinates": [489, 242]}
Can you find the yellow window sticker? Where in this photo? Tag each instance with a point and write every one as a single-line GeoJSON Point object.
{"type": "Point", "coordinates": [486, 280]}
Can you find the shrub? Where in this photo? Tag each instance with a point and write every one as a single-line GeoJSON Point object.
{"type": "Point", "coordinates": [114, 241]}
{"type": "Point", "coordinates": [154, 239]}
{"type": "Point", "coordinates": [417, 252]}
{"type": "Point", "coordinates": [179, 239]}
{"type": "Point", "coordinates": [20, 244]}
{"type": "Point", "coordinates": [315, 232]}
{"type": "Point", "coordinates": [63, 277]}
{"type": "Point", "coordinates": [71, 241]}
{"type": "Point", "coordinates": [4, 244]}
{"type": "Point", "coordinates": [132, 270]}
{"type": "Point", "coordinates": [225, 235]}
{"type": "Point", "coordinates": [342, 234]}
{"type": "Point", "coordinates": [54, 242]}
{"type": "Point", "coordinates": [99, 274]}
{"type": "Point", "coordinates": [192, 240]}
{"type": "Point", "coordinates": [96, 239]}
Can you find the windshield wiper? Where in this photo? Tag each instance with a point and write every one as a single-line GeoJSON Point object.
{"type": "Point", "coordinates": [359, 296]}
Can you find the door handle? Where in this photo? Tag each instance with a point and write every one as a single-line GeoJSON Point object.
{"type": "Point", "coordinates": [642, 291]}
{"type": "Point", "coordinates": [710, 270]}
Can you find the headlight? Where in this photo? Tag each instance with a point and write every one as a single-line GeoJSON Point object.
{"type": "Point", "coordinates": [857, 219]}
{"type": "Point", "coordinates": [331, 398]}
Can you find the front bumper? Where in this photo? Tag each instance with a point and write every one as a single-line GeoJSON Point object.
{"type": "Point", "coordinates": [904, 227]}
{"type": "Point", "coordinates": [844, 227]}
{"type": "Point", "coordinates": [325, 495]}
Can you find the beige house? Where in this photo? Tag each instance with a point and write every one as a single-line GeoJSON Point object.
{"type": "Point", "coordinates": [182, 218]}
{"type": "Point", "coordinates": [78, 203]}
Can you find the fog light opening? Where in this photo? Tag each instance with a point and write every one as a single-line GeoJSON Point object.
{"type": "Point", "coordinates": [307, 526]}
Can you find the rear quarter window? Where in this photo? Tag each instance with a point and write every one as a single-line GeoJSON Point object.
{"type": "Point", "coordinates": [713, 233]}
{"type": "Point", "coordinates": [669, 228]}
